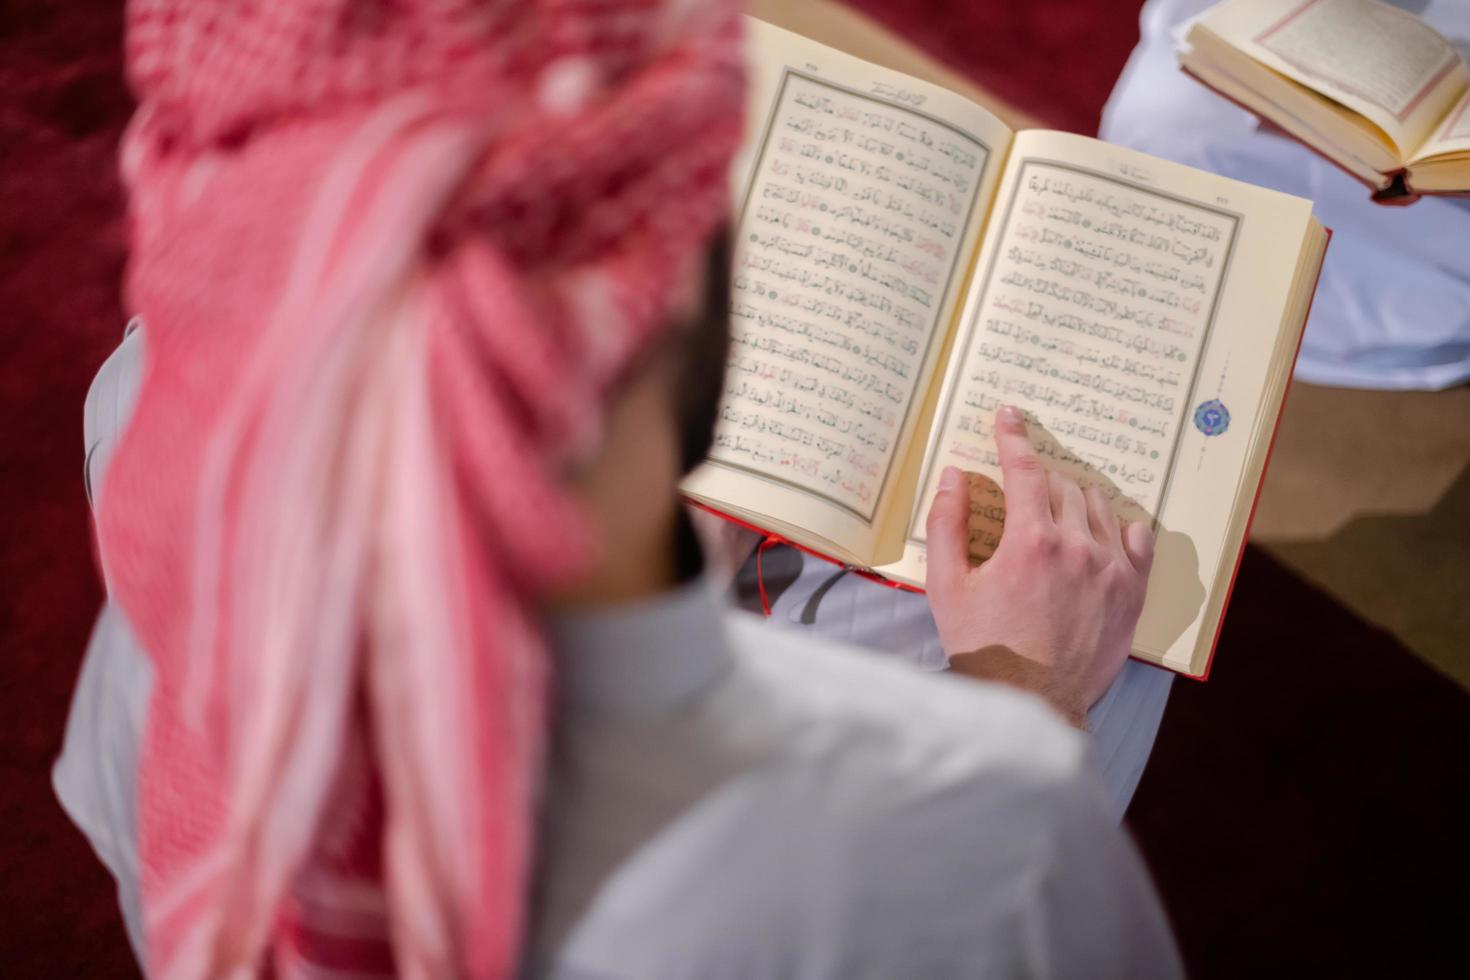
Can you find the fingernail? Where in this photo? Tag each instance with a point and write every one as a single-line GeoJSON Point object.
{"type": "Point", "coordinates": [1011, 415]}
{"type": "Point", "coordinates": [950, 479]}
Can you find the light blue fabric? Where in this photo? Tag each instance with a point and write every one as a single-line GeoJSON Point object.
{"type": "Point", "coordinates": [1393, 306]}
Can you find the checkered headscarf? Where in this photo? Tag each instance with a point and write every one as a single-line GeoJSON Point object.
{"type": "Point", "coordinates": [391, 255]}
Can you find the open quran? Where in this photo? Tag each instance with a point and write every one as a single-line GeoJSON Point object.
{"type": "Point", "coordinates": [905, 264]}
{"type": "Point", "coordinates": [1371, 87]}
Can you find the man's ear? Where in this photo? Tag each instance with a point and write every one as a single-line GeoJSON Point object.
{"type": "Point", "coordinates": [699, 380]}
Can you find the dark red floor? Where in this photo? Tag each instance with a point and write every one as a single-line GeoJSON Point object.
{"type": "Point", "coordinates": [1304, 812]}
{"type": "Point", "coordinates": [1056, 59]}
{"type": "Point", "coordinates": [62, 106]}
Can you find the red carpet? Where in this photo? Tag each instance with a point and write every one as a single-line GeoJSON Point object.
{"type": "Point", "coordinates": [1303, 813]}
{"type": "Point", "coordinates": [1056, 59]}
{"type": "Point", "coordinates": [61, 250]}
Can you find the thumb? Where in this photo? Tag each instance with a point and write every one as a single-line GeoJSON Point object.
{"type": "Point", "coordinates": [948, 530]}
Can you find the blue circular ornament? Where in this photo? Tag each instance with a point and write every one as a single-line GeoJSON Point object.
{"type": "Point", "coordinates": [1212, 417]}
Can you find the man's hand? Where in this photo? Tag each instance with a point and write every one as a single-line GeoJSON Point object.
{"type": "Point", "coordinates": [1054, 609]}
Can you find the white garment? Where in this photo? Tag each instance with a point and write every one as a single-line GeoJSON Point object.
{"type": "Point", "coordinates": [1393, 306]}
{"type": "Point", "coordinates": [728, 800]}
{"type": "Point", "coordinates": [95, 778]}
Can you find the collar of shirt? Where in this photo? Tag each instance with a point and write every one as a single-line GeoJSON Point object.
{"type": "Point", "coordinates": [641, 658]}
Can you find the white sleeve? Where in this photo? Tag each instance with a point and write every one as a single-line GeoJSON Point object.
{"type": "Point", "coordinates": [109, 405]}
{"type": "Point", "coordinates": [96, 776]}
{"type": "Point", "coordinates": [1093, 911]}
{"type": "Point", "coordinates": [822, 601]}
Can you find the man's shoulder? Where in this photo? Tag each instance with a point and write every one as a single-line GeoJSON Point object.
{"type": "Point", "coordinates": [830, 813]}
{"type": "Point", "coordinates": [890, 722]}
{"type": "Point", "coordinates": [893, 823]}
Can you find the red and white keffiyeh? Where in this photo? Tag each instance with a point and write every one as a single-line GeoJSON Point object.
{"type": "Point", "coordinates": [391, 255]}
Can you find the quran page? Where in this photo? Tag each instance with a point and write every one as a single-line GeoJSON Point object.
{"type": "Point", "coordinates": [863, 191]}
{"type": "Point", "coordinates": [1145, 317]}
{"type": "Point", "coordinates": [1381, 62]}
{"type": "Point", "coordinates": [1453, 135]}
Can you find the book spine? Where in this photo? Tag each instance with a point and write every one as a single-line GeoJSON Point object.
{"type": "Point", "coordinates": [771, 537]}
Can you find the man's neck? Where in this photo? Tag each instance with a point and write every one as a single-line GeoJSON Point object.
{"type": "Point", "coordinates": [651, 567]}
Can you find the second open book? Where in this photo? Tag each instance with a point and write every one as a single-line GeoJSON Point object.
{"type": "Point", "coordinates": [1371, 87]}
{"type": "Point", "coordinates": [906, 263]}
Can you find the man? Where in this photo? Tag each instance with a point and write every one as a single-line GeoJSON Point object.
{"type": "Point", "coordinates": [713, 801]}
